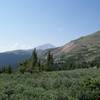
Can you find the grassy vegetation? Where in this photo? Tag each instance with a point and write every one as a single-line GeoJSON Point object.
{"type": "Point", "coordinates": [80, 84]}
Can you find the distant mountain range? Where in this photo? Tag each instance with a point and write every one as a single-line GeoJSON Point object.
{"type": "Point", "coordinates": [16, 56]}
{"type": "Point", "coordinates": [45, 46]}
{"type": "Point", "coordinates": [87, 47]}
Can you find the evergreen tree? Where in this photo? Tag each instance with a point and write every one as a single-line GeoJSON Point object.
{"type": "Point", "coordinates": [9, 69]}
{"type": "Point", "coordinates": [39, 65]}
{"type": "Point", "coordinates": [96, 62]}
{"type": "Point", "coordinates": [24, 66]}
{"type": "Point", "coordinates": [50, 61]}
{"type": "Point", "coordinates": [32, 64]}
{"type": "Point", "coordinates": [0, 71]}
{"type": "Point", "coordinates": [3, 69]}
{"type": "Point", "coordinates": [34, 60]}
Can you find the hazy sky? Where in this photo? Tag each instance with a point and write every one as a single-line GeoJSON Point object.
{"type": "Point", "coordinates": [29, 23]}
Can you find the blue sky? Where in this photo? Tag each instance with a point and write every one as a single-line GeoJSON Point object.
{"type": "Point", "coordinates": [25, 24]}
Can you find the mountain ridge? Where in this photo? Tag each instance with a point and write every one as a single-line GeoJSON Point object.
{"type": "Point", "coordinates": [16, 56]}
{"type": "Point", "coordinates": [87, 46]}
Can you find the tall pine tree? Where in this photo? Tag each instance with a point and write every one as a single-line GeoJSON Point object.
{"type": "Point", "coordinates": [34, 59]}
{"type": "Point", "coordinates": [50, 61]}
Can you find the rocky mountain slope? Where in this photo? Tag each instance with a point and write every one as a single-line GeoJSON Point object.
{"type": "Point", "coordinates": [87, 47]}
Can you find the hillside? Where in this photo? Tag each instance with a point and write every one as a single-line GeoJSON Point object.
{"type": "Point", "coordinates": [13, 57]}
{"type": "Point", "coordinates": [45, 46]}
{"type": "Point", "coordinates": [87, 47]}
{"type": "Point", "coordinates": [16, 56]}
{"type": "Point", "coordinates": [83, 84]}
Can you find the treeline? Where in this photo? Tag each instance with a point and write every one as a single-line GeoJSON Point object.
{"type": "Point", "coordinates": [73, 63]}
{"type": "Point", "coordinates": [34, 64]}
{"type": "Point", "coordinates": [6, 69]}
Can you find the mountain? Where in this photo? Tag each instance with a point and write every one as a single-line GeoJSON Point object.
{"type": "Point", "coordinates": [13, 57]}
{"type": "Point", "coordinates": [16, 56]}
{"type": "Point", "coordinates": [87, 47]}
{"type": "Point", "coordinates": [45, 46]}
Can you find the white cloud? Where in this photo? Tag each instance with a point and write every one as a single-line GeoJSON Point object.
{"type": "Point", "coordinates": [19, 46]}
{"type": "Point", "coordinates": [15, 46]}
